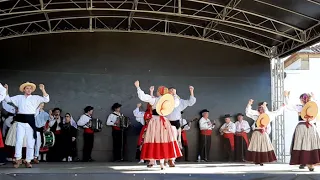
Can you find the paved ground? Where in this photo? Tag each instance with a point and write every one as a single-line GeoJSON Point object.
{"type": "Point", "coordinates": [185, 171]}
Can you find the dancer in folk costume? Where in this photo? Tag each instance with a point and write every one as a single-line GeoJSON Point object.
{"type": "Point", "coordinates": [2, 152]}
{"type": "Point", "coordinates": [160, 142]}
{"type": "Point", "coordinates": [27, 105]}
{"type": "Point", "coordinates": [147, 115]}
{"type": "Point", "coordinates": [260, 150]}
{"type": "Point", "coordinates": [143, 118]}
{"type": "Point", "coordinates": [305, 146]}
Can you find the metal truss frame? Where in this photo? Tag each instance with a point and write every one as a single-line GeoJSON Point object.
{"type": "Point", "coordinates": [277, 99]}
{"type": "Point", "coordinates": [197, 19]}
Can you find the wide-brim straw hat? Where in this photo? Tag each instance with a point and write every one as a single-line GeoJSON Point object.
{"type": "Point", "coordinates": [263, 120]}
{"type": "Point", "coordinates": [22, 86]}
{"type": "Point", "coordinates": [165, 105]}
{"type": "Point", "coordinates": [309, 111]}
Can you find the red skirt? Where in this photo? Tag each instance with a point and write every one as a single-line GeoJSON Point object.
{"type": "Point", "coordinates": [1, 140]}
{"type": "Point", "coordinates": [160, 142]}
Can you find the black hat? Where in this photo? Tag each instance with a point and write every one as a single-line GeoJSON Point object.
{"type": "Point", "coordinates": [240, 114]}
{"type": "Point", "coordinates": [57, 109]}
{"type": "Point", "coordinates": [227, 116]}
{"type": "Point", "coordinates": [115, 106]}
{"type": "Point", "coordinates": [203, 111]}
{"type": "Point", "coordinates": [87, 109]}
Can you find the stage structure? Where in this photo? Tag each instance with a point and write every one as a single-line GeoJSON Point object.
{"type": "Point", "coordinates": [271, 29]}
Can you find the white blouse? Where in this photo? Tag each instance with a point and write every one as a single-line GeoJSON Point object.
{"type": "Point", "coordinates": [242, 125]}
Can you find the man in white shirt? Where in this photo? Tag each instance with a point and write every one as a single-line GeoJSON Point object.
{"type": "Point", "coordinates": [227, 130]}
{"type": "Point", "coordinates": [27, 105]}
{"type": "Point", "coordinates": [205, 135]}
{"type": "Point", "coordinates": [241, 141]}
{"type": "Point", "coordinates": [88, 133]}
{"type": "Point", "coordinates": [119, 134]}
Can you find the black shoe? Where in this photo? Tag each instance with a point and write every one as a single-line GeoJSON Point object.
{"type": "Point", "coordinates": [2, 164]}
{"type": "Point", "coordinates": [302, 166]}
{"type": "Point", "coordinates": [261, 164]}
{"type": "Point", "coordinates": [91, 160]}
{"type": "Point", "coordinates": [311, 169]}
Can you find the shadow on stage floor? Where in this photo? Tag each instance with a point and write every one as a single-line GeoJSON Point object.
{"type": "Point", "coordinates": [133, 171]}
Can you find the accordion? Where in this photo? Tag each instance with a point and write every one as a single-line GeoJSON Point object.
{"type": "Point", "coordinates": [95, 125]}
{"type": "Point", "coordinates": [124, 122]}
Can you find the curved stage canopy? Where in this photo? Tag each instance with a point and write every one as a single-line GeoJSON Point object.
{"type": "Point", "coordinates": [265, 27]}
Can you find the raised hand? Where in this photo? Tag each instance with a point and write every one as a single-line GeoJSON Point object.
{"type": "Point", "coordinates": [286, 93]}
{"type": "Point", "coordinates": [41, 87]}
{"type": "Point", "coordinates": [151, 88]}
{"type": "Point", "coordinates": [137, 84]}
{"type": "Point", "coordinates": [139, 105]}
{"type": "Point", "coordinates": [250, 102]}
{"type": "Point", "coordinates": [6, 86]}
{"type": "Point", "coordinates": [191, 88]}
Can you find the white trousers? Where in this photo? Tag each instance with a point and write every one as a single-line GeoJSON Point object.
{"type": "Point", "coordinates": [37, 146]}
{"type": "Point", "coordinates": [24, 129]}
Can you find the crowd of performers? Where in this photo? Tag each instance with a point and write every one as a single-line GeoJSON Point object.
{"type": "Point", "coordinates": [28, 131]}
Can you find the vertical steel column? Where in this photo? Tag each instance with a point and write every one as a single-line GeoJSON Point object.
{"type": "Point", "coordinates": [277, 89]}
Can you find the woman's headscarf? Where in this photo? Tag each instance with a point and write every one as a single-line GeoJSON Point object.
{"type": "Point", "coordinates": [72, 121]}
{"type": "Point", "coordinates": [163, 90]}
{"type": "Point", "coordinates": [305, 97]}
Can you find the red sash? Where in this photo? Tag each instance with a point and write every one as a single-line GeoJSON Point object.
{"type": "Point", "coordinates": [206, 132]}
{"type": "Point", "coordinates": [57, 132]}
{"type": "Point", "coordinates": [88, 131]}
{"type": "Point", "coordinates": [245, 137]}
{"type": "Point", "coordinates": [141, 138]}
{"type": "Point", "coordinates": [1, 140]}
{"type": "Point", "coordinates": [116, 128]}
{"type": "Point", "coordinates": [230, 136]}
{"type": "Point", "coordinates": [184, 138]}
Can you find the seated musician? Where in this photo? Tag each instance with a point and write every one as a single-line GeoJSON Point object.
{"type": "Point", "coordinates": [118, 135]}
{"type": "Point", "coordinates": [88, 133]}
{"type": "Point", "coordinates": [69, 134]}
{"type": "Point", "coordinates": [55, 152]}
{"type": "Point", "coordinates": [41, 119]}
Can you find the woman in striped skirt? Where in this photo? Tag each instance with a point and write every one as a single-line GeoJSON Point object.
{"type": "Point", "coordinates": [260, 150]}
{"type": "Point", "coordinates": [305, 146]}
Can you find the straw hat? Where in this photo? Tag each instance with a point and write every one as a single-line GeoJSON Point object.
{"type": "Point", "coordinates": [310, 109]}
{"type": "Point", "coordinates": [263, 120]}
{"type": "Point", "coordinates": [165, 105]}
{"type": "Point", "coordinates": [22, 86]}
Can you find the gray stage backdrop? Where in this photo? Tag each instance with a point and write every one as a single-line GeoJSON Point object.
{"type": "Point", "coordinates": [100, 69]}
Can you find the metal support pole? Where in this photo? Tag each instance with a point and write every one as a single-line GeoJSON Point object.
{"type": "Point", "coordinates": [277, 99]}
{"type": "Point", "coordinates": [179, 6]}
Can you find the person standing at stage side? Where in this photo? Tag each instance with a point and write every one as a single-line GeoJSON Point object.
{"type": "Point", "coordinates": [55, 152]}
{"type": "Point", "coordinates": [27, 105]}
{"type": "Point", "coordinates": [241, 138]}
{"type": "Point", "coordinates": [160, 143]}
{"type": "Point", "coordinates": [41, 119]}
{"type": "Point", "coordinates": [305, 146]}
{"type": "Point", "coordinates": [205, 135]}
{"type": "Point", "coordinates": [88, 133]}
{"type": "Point", "coordinates": [260, 149]}
{"type": "Point", "coordinates": [119, 134]}
{"type": "Point", "coordinates": [185, 126]}
{"type": "Point", "coordinates": [2, 153]}
{"type": "Point", "coordinates": [175, 116]}
{"type": "Point", "coordinates": [227, 130]}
